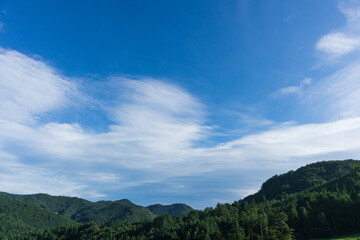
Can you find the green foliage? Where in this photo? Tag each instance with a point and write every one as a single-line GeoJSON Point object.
{"type": "Point", "coordinates": [230, 222]}
{"type": "Point", "coordinates": [175, 210]}
{"type": "Point", "coordinates": [66, 206]}
{"type": "Point", "coordinates": [82, 211]}
{"type": "Point", "coordinates": [21, 217]}
{"type": "Point", "coordinates": [310, 176]}
{"type": "Point", "coordinates": [318, 200]}
{"type": "Point", "coordinates": [102, 212]}
{"type": "Point", "coordinates": [107, 211]}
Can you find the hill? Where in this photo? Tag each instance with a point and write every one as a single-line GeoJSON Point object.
{"type": "Point", "coordinates": [36, 212]}
{"type": "Point", "coordinates": [21, 217]}
{"type": "Point", "coordinates": [176, 209]}
{"type": "Point", "coordinates": [65, 206]}
{"type": "Point", "coordinates": [82, 211]}
{"type": "Point", "coordinates": [306, 177]}
{"type": "Point", "coordinates": [101, 212]}
{"type": "Point", "coordinates": [318, 200]}
{"type": "Point", "coordinates": [104, 212]}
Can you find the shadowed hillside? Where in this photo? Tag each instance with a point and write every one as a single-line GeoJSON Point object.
{"type": "Point", "coordinates": [318, 200]}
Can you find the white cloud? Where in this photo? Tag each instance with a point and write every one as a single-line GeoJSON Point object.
{"type": "Point", "coordinates": [288, 143]}
{"type": "Point", "coordinates": [351, 10]}
{"type": "Point", "coordinates": [27, 179]}
{"type": "Point", "coordinates": [28, 87]}
{"type": "Point", "coordinates": [293, 89]}
{"type": "Point", "coordinates": [336, 96]}
{"type": "Point", "coordinates": [338, 44]}
{"type": "Point", "coordinates": [290, 89]}
{"type": "Point", "coordinates": [347, 40]}
{"type": "Point", "coordinates": [159, 116]}
{"type": "Point", "coordinates": [155, 131]}
{"type": "Point", "coordinates": [155, 123]}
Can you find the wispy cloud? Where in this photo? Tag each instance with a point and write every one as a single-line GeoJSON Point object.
{"type": "Point", "coordinates": [28, 87]}
{"type": "Point", "coordinates": [338, 95]}
{"type": "Point", "coordinates": [27, 179]}
{"type": "Point", "coordinates": [338, 44]}
{"type": "Point", "coordinates": [285, 144]}
{"type": "Point", "coordinates": [297, 89]}
{"type": "Point", "coordinates": [346, 40]}
{"type": "Point", "coordinates": [155, 123]}
{"type": "Point", "coordinates": [155, 128]}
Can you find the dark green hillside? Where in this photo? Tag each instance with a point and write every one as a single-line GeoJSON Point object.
{"type": "Point", "coordinates": [126, 202]}
{"type": "Point", "coordinates": [104, 212]}
{"type": "Point", "coordinates": [81, 210]}
{"type": "Point", "coordinates": [321, 200]}
{"type": "Point", "coordinates": [306, 177]}
{"type": "Point", "coordinates": [66, 206]}
{"type": "Point", "coordinates": [324, 211]}
{"type": "Point", "coordinates": [176, 209]}
{"type": "Point", "coordinates": [20, 217]}
{"type": "Point", "coordinates": [36, 212]}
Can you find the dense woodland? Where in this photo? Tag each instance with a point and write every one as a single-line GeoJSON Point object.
{"type": "Point", "coordinates": [33, 213]}
{"type": "Point", "coordinates": [318, 200]}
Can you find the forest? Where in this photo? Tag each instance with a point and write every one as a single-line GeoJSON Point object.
{"type": "Point", "coordinates": [317, 200]}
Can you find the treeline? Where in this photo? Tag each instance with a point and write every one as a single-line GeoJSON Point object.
{"type": "Point", "coordinates": [233, 222]}
{"type": "Point", "coordinates": [309, 214]}
{"type": "Point", "coordinates": [328, 206]}
{"type": "Point", "coordinates": [20, 214]}
{"type": "Point", "coordinates": [17, 217]}
{"type": "Point", "coordinates": [82, 211]}
{"type": "Point", "coordinates": [304, 178]}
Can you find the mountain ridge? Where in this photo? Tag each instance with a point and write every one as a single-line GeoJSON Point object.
{"type": "Point", "coordinates": [305, 177]}
{"type": "Point", "coordinates": [317, 200]}
{"type": "Point", "coordinates": [82, 210]}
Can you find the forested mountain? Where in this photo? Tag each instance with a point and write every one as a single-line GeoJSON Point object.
{"type": "Point", "coordinates": [306, 177]}
{"type": "Point", "coordinates": [104, 212]}
{"type": "Point", "coordinates": [318, 200]}
{"type": "Point", "coordinates": [24, 213]}
{"type": "Point", "coordinates": [175, 210]}
{"type": "Point", "coordinates": [66, 206]}
{"type": "Point", "coordinates": [21, 217]}
{"type": "Point", "coordinates": [101, 212]}
{"type": "Point", "coordinates": [81, 210]}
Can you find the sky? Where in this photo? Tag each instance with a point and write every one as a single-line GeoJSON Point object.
{"type": "Point", "coordinates": [196, 102]}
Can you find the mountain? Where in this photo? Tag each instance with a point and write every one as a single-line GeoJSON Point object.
{"type": "Point", "coordinates": [21, 217]}
{"type": "Point", "coordinates": [104, 212]}
{"type": "Point", "coordinates": [41, 211]}
{"type": "Point", "coordinates": [176, 209]}
{"type": "Point", "coordinates": [318, 200]}
{"type": "Point", "coordinates": [65, 206]}
{"type": "Point", "coordinates": [307, 177]}
{"type": "Point", "coordinates": [101, 212]}
{"type": "Point", "coordinates": [81, 210]}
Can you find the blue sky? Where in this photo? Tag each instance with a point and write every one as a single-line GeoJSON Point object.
{"type": "Point", "coordinates": [174, 101]}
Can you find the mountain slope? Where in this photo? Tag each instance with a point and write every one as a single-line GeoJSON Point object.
{"type": "Point", "coordinates": [309, 176]}
{"type": "Point", "coordinates": [81, 210]}
{"type": "Point", "coordinates": [66, 206]}
{"type": "Point", "coordinates": [319, 200]}
{"type": "Point", "coordinates": [176, 209]}
{"type": "Point", "coordinates": [101, 212]}
{"type": "Point", "coordinates": [36, 212]}
{"type": "Point", "coordinates": [104, 212]}
{"type": "Point", "coordinates": [20, 217]}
